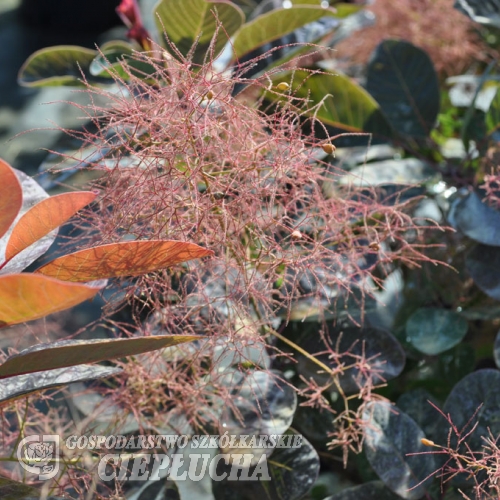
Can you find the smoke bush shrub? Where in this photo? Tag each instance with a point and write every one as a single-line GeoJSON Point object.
{"type": "Point", "coordinates": [186, 159]}
{"type": "Point", "coordinates": [433, 25]}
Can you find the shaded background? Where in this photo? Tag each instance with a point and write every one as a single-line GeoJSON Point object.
{"type": "Point", "coordinates": [26, 26]}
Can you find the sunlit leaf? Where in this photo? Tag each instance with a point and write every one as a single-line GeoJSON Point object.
{"type": "Point", "coordinates": [15, 387]}
{"type": "Point", "coordinates": [274, 25]}
{"type": "Point", "coordinates": [407, 171]}
{"type": "Point", "coordinates": [390, 436]}
{"type": "Point", "coordinates": [481, 11]}
{"type": "Point", "coordinates": [24, 297]}
{"type": "Point", "coordinates": [188, 21]}
{"type": "Point", "coordinates": [474, 218]}
{"type": "Point", "coordinates": [11, 196]}
{"type": "Point", "coordinates": [483, 264]}
{"type": "Point", "coordinates": [433, 331]}
{"type": "Point", "coordinates": [75, 352]}
{"type": "Point", "coordinates": [119, 58]}
{"type": "Point", "coordinates": [493, 114]}
{"type": "Point", "coordinates": [344, 103]}
{"type": "Point", "coordinates": [111, 56]}
{"type": "Point", "coordinates": [45, 217]}
{"type": "Point", "coordinates": [402, 79]}
{"type": "Point", "coordinates": [130, 258]}
{"type": "Point", "coordinates": [33, 194]}
{"type": "Point", "coordinates": [55, 66]}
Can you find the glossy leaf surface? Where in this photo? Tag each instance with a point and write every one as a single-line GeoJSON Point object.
{"type": "Point", "coordinates": [188, 21]}
{"type": "Point", "coordinates": [402, 79]}
{"type": "Point", "coordinates": [43, 218]}
{"type": "Point", "coordinates": [11, 196]}
{"type": "Point", "coordinates": [33, 194]}
{"type": "Point", "coordinates": [292, 473]}
{"type": "Point", "coordinates": [15, 387]}
{"type": "Point", "coordinates": [481, 11]}
{"type": "Point", "coordinates": [24, 297]}
{"type": "Point", "coordinates": [345, 104]}
{"type": "Point", "coordinates": [273, 25]}
{"type": "Point", "coordinates": [479, 392]}
{"type": "Point", "coordinates": [483, 264]}
{"type": "Point", "coordinates": [415, 403]}
{"type": "Point", "coordinates": [390, 437]}
{"type": "Point", "coordinates": [261, 404]}
{"type": "Point", "coordinates": [130, 258]}
{"type": "Point", "coordinates": [474, 218]}
{"type": "Point", "coordinates": [433, 331]}
{"type": "Point", "coordinates": [75, 352]}
{"type": "Point", "coordinates": [496, 349]}
{"type": "Point", "coordinates": [493, 114]}
{"type": "Point", "coordinates": [55, 66]}
{"type": "Point", "coordinates": [373, 490]}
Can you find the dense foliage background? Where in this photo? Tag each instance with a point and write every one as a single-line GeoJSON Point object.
{"type": "Point", "coordinates": [337, 164]}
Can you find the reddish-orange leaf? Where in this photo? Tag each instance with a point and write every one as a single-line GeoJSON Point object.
{"type": "Point", "coordinates": [24, 297]}
{"type": "Point", "coordinates": [11, 197]}
{"type": "Point", "coordinates": [45, 217]}
{"type": "Point", "coordinates": [129, 258]}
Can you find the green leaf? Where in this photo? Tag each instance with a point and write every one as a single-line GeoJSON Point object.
{"type": "Point", "coordinates": [188, 21]}
{"type": "Point", "coordinates": [121, 60]}
{"type": "Point", "coordinates": [402, 79]}
{"type": "Point", "coordinates": [493, 114]}
{"type": "Point", "coordinates": [433, 331]}
{"type": "Point", "coordinates": [76, 352]}
{"type": "Point", "coordinates": [390, 435]}
{"type": "Point", "coordinates": [15, 387]}
{"type": "Point", "coordinates": [111, 58]}
{"type": "Point", "coordinates": [344, 104]}
{"type": "Point", "coordinates": [54, 66]}
{"type": "Point", "coordinates": [275, 24]}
